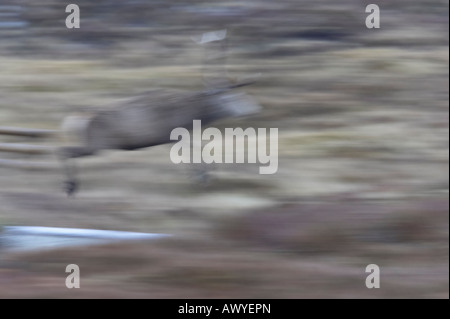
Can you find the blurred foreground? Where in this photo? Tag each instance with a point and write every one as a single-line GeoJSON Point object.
{"type": "Point", "coordinates": [363, 145]}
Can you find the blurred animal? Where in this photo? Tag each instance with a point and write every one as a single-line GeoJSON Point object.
{"type": "Point", "coordinates": [147, 120]}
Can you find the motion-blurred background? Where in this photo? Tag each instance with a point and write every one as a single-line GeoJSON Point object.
{"type": "Point", "coordinates": [363, 150]}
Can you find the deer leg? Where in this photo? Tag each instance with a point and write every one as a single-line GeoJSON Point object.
{"type": "Point", "coordinates": [200, 171]}
{"type": "Point", "coordinates": [66, 156]}
{"type": "Point", "coordinates": [70, 185]}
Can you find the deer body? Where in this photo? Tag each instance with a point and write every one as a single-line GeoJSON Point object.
{"type": "Point", "coordinates": [148, 120]}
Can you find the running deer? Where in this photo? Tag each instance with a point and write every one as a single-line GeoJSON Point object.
{"type": "Point", "coordinates": [148, 120]}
